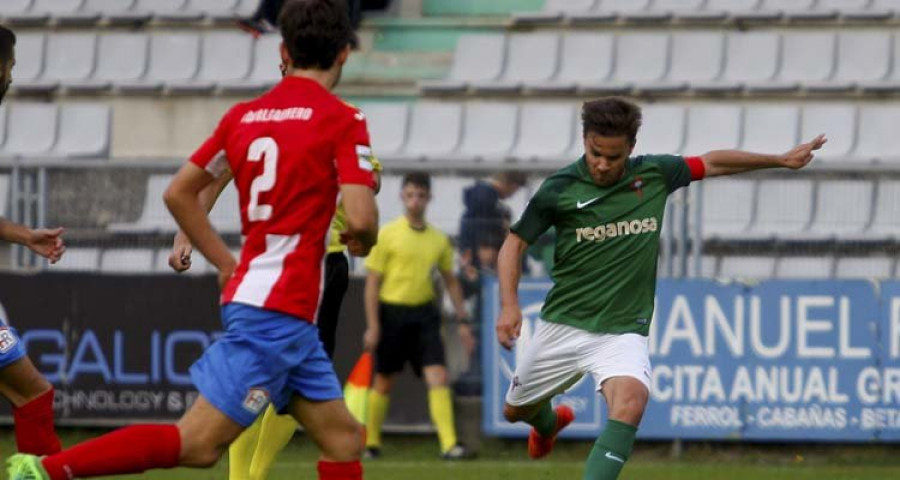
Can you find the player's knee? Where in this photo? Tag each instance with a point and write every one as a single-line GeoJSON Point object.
{"type": "Point", "coordinates": [630, 408]}
{"type": "Point", "coordinates": [344, 443]}
{"type": "Point", "coordinates": [202, 453]}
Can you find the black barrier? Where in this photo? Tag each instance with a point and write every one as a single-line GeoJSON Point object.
{"type": "Point", "coordinates": [118, 348]}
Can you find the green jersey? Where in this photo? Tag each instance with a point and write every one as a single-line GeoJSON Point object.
{"type": "Point", "coordinates": [607, 241]}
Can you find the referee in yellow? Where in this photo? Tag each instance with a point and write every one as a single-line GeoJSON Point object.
{"type": "Point", "coordinates": [403, 322]}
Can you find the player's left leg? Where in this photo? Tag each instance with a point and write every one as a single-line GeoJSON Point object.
{"type": "Point", "coordinates": [31, 396]}
{"type": "Point", "coordinates": [621, 366]}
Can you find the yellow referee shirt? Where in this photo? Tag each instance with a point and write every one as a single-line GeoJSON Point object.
{"type": "Point", "coordinates": [405, 258]}
{"type": "Point", "coordinates": [339, 224]}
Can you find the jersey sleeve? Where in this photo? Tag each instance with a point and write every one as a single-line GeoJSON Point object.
{"type": "Point", "coordinates": [538, 215]}
{"type": "Point", "coordinates": [445, 262]}
{"type": "Point", "coordinates": [353, 153]}
{"type": "Point", "coordinates": [378, 255]}
{"type": "Point", "coordinates": [211, 155]}
{"type": "Point", "coordinates": [675, 169]}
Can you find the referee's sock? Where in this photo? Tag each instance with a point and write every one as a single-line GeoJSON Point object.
{"type": "Point", "coordinates": [610, 451]}
{"type": "Point", "coordinates": [378, 408]}
{"type": "Point", "coordinates": [440, 403]}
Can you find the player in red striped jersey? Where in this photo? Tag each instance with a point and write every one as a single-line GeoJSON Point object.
{"type": "Point", "coordinates": [291, 152]}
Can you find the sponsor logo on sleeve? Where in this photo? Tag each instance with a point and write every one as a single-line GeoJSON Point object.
{"type": "Point", "coordinates": [365, 158]}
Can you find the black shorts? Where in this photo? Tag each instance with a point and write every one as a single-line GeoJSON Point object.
{"type": "Point", "coordinates": [410, 334]}
{"type": "Point", "coordinates": [336, 283]}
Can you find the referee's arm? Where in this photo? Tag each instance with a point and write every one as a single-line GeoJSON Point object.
{"type": "Point", "coordinates": [370, 301]}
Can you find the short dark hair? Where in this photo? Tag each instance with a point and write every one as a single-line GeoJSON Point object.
{"type": "Point", "coordinates": [611, 117]}
{"type": "Point", "coordinates": [7, 42]}
{"type": "Point", "coordinates": [418, 179]}
{"type": "Point", "coordinates": [315, 31]}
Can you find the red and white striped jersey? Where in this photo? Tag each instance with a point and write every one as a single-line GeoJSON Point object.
{"type": "Point", "coordinates": [289, 150]}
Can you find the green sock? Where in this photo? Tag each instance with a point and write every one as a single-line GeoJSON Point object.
{"type": "Point", "coordinates": [610, 451]}
{"type": "Point", "coordinates": [544, 421]}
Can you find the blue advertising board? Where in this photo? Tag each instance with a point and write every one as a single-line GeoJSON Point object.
{"type": "Point", "coordinates": [780, 360]}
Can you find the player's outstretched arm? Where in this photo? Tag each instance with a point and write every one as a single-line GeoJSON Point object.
{"type": "Point", "coordinates": [730, 162]}
{"type": "Point", "coordinates": [362, 218]}
{"type": "Point", "coordinates": [47, 243]}
{"type": "Point", "coordinates": [182, 197]}
{"type": "Point", "coordinates": [509, 271]}
{"type": "Point", "coordinates": [180, 258]}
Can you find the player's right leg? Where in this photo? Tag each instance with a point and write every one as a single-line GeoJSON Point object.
{"type": "Point", "coordinates": [547, 367]}
{"type": "Point", "coordinates": [31, 396]}
{"type": "Point", "coordinates": [198, 440]}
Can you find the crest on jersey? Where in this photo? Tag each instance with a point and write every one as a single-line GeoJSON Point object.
{"type": "Point", "coordinates": [256, 400]}
{"type": "Point", "coordinates": [638, 186]}
{"type": "Point", "coordinates": [7, 339]}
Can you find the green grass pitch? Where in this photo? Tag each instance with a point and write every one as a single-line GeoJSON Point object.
{"type": "Point", "coordinates": [415, 458]}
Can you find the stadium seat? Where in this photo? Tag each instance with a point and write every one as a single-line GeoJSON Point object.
{"type": "Point", "coordinates": [117, 12]}
{"type": "Point", "coordinates": [213, 8]}
{"type": "Point", "coordinates": [862, 57]}
{"type": "Point", "coordinates": [545, 132]}
{"type": "Point", "coordinates": [691, 10]}
{"type": "Point", "coordinates": [478, 58]}
{"type": "Point", "coordinates": [63, 11]}
{"type": "Point", "coordinates": [174, 57]}
{"type": "Point", "coordinates": [9, 9]}
{"type": "Point", "coordinates": [878, 267]}
{"type": "Point", "coordinates": [388, 199]}
{"type": "Point", "coordinates": [747, 267]}
{"type": "Point", "coordinates": [712, 127]}
{"type": "Point", "coordinates": [388, 124]}
{"type": "Point", "coordinates": [640, 58]}
{"type": "Point", "coordinates": [22, 138]}
{"type": "Point", "coordinates": [873, 10]}
{"type": "Point", "coordinates": [806, 57]}
{"type": "Point", "coordinates": [877, 138]}
{"type": "Point", "coordinates": [71, 58]}
{"type": "Point", "coordinates": [30, 51]}
{"type": "Point", "coordinates": [105, 8]}
{"type": "Point", "coordinates": [154, 215]}
{"type": "Point", "coordinates": [225, 216]}
{"type": "Point", "coordinates": [3, 125]}
{"type": "Point", "coordinates": [121, 58]}
{"type": "Point", "coordinates": [783, 209]}
{"type": "Point", "coordinates": [751, 59]}
{"type": "Point", "coordinates": [489, 131]}
{"type": "Point", "coordinates": [555, 10]}
{"type": "Point", "coordinates": [446, 208]}
{"type": "Point", "coordinates": [886, 220]}
{"type": "Point", "coordinates": [696, 57]}
{"type": "Point", "coordinates": [84, 131]}
{"type": "Point", "coordinates": [804, 267]}
{"type": "Point", "coordinates": [265, 73]}
{"type": "Point", "coordinates": [837, 121]}
{"type": "Point", "coordinates": [727, 207]}
{"type": "Point", "coordinates": [226, 57]}
{"type": "Point", "coordinates": [434, 130]}
{"type": "Point", "coordinates": [770, 128]}
{"type": "Point", "coordinates": [531, 57]}
{"type": "Point", "coordinates": [662, 129]}
{"type": "Point", "coordinates": [168, 10]}
{"type": "Point", "coordinates": [78, 259]}
{"type": "Point", "coordinates": [127, 260]}
{"type": "Point", "coordinates": [634, 10]}
{"type": "Point", "coordinates": [799, 10]}
{"type": "Point", "coordinates": [585, 58]}
{"type": "Point", "coordinates": [891, 83]}
{"type": "Point", "coordinates": [843, 209]}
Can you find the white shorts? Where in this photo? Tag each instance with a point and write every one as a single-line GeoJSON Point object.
{"type": "Point", "coordinates": [557, 356]}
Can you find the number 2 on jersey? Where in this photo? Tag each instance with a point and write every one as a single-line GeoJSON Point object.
{"type": "Point", "coordinates": [264, 149]}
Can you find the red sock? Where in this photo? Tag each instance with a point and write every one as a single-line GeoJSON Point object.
{"type": "Point", "coordinates": [128, 450]}
{"type": "Point", "coordinates": [34, 426]}
{"type": "Point", "coordinates": [340, 470]}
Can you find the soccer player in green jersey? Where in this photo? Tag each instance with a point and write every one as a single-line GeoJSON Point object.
{"type": "Point", "coordinates": [607, 209]}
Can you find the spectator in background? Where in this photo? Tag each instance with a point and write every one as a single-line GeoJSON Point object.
{"type": "Point", "coordinates": [266, 16]}
{"type": "Point", "coordinates": [486, 216]}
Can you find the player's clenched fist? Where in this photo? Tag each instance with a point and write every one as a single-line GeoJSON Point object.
{"type": "Point", "coordinates": [47, 243]}
{"type": "Point", "coordinates": [180, 258]}
{"type": "Point", "coordinates": [509, 326]}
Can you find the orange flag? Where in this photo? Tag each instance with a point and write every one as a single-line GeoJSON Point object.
{"type": "Point", "coordinates": [356, 391]}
